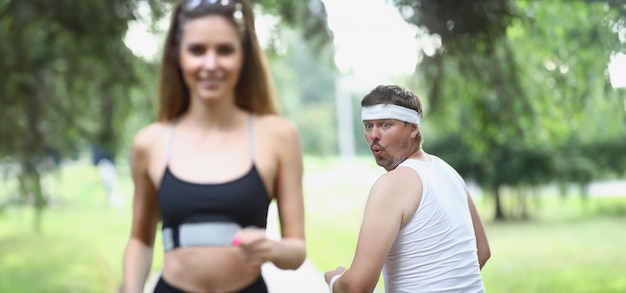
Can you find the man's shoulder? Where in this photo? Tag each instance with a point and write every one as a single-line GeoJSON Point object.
{"type": "Point", "coordinates": [402, 177]}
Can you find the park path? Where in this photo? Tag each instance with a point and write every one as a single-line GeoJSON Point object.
{"type": "Point", "coordinates": [306, 279]}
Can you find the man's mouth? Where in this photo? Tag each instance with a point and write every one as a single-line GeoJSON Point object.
{"type": "Point", "coordinates": [376, 150]}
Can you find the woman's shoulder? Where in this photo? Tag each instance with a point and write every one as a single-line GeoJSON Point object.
{"type": "Point", "coordinates": [151, 134]}
{"type": "Point", "coordinates": [276, 125]}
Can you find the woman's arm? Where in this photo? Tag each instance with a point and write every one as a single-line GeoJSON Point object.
{"type": "Point", "coordinates": [290, 252]}
{"type": "Point", "coordinates": [138, 252]}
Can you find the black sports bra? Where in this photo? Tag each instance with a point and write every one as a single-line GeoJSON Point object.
{"type": "Point", "coordinates": [243, 201]}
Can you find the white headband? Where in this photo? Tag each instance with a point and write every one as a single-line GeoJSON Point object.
{"type": "Point", "coordinates": [390, 111]}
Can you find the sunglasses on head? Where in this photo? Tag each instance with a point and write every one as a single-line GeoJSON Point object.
{"type": "Point", "coordinates": [189, 5]}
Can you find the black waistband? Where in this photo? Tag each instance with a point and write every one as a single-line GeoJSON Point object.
{"type": "Point", "coordinates": [258, 286]}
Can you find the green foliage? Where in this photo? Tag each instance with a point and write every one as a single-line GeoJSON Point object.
{"type": "Point", "coordinates": [306, 92]}
{"type": "Point", "coordinates": [73, 83]}
{"type": "Point", "coordinates": [69, 82]}
{"type": "Point", "coordinates": [455, 19]}
{"type": "Point", "coordinates": [517, 99]}
{"type": "Point", "coordinates": [308, 17]}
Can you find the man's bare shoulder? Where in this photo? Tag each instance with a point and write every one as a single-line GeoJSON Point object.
{"type": "Point", "coordinates": [398, 175]}
{"type": "Point", "coordinates": [397, 181]}
{"type": "Point", "coordinates": [398, 190]}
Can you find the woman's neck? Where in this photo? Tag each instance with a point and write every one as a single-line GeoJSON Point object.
{"type": "Point", "coordinates": [216, 115]}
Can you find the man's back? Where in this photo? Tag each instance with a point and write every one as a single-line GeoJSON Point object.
{"type": "Point", "coordinates": [425, 234]}
{"type": "Point", "coordinates": [436, 250]}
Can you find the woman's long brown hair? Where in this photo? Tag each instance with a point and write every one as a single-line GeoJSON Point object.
{"type": "Point", "coordinates": [254, 92]}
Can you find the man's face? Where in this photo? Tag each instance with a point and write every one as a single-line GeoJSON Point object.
{"type": "Point", "coordinates": [389, 141]}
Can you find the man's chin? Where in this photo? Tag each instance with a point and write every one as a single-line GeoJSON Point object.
{"type": "Point", "coordinates": [379, 161]}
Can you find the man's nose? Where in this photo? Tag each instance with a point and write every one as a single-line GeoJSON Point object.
{"type": "Point", "coordinates": [373, 134]}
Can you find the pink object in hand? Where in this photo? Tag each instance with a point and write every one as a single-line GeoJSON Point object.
{"type": "Point", "coordinates": [236, 241]}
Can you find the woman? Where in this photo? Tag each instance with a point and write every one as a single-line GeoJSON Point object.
{"type": "Point", "coordinates": [213, 162]}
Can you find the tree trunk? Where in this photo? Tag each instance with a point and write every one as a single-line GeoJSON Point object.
{"type": "Point", "coordinates": [584, 191]}
{"type": "Point", "coordinates": [499, 214]}
{"type": "Point", "coordinates": [523, 196]}
{"type": "Point", "coordinates": [32, 189]}
{"type": "Point", "coordinates": [33, 150]}
{"type": "Point", "coordinates": [105, 139]}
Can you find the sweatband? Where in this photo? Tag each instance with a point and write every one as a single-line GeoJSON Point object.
{"type": "Point", "coordinates": [390, 111]}
{"type": "Point", "coordinates": [332, 282]}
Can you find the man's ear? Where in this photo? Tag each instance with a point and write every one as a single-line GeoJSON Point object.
{"type": "Point", "coordinates": [415, 130]}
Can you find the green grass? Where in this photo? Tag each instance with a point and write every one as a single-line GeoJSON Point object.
{"type": "Point", "coordinates": [567, 247]}
{"type": "Point", "coordinates": [572, 256]}
{"type": "Point", "coordinates": [81, 243]}
{"type": "Point", "coordinates": [76, 253]}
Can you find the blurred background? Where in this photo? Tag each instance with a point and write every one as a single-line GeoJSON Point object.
{"type": "Point", "coordinates": [525, 98]}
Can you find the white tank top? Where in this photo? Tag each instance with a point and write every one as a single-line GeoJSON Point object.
{"type": "Point", "coordinates": [436, 250]}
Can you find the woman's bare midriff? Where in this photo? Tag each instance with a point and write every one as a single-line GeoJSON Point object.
{"type": "Point", "coordinates": [208, 269]}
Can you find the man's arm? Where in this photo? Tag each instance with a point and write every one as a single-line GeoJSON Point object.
{"type": "Point", "coordinates": [393, 198]}
{"type": "Point", "coordinates": [482, 245]}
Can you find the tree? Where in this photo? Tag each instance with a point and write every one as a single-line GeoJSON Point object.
{"type": "Point", "coordinates": [60, 90]}
{"type": "Point", "coordinates": [67, 79]}
{"type": "Point", "coordinates": [307, 17]}
{"type": "Point", "coordinates": [513, 79]}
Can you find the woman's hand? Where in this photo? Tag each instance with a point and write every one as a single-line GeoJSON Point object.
{"type": "Point", "coordinates": [255, 247]}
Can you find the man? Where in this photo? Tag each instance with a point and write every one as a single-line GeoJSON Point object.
{"type": "Point", "coordinates": [420, 225]}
